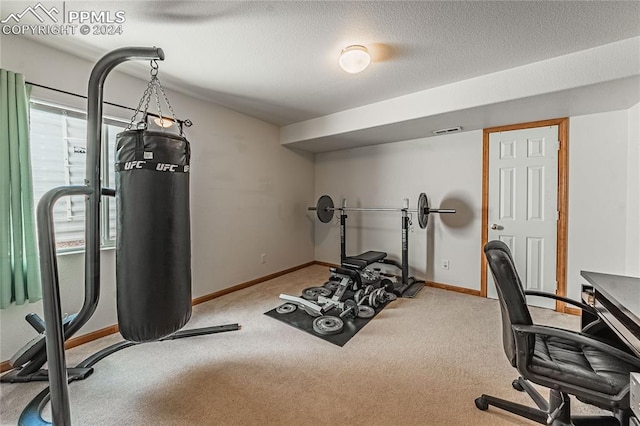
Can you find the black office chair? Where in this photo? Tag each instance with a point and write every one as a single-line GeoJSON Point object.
{"type": "Point", "coordinates": [566, 362]}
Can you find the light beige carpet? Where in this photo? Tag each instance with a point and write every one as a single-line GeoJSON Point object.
{"type": "Point", "coordinates": [421, 361]}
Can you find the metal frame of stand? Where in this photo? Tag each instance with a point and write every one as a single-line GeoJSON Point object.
{"type": "Point", "coordinates": [409, 286]}
{"type": "Point", "coordinates": [55, 335]}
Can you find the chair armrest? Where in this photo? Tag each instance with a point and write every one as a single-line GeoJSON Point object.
{"type": "Point", "coordinates": [580, 305]}
{"type": "Point", "coordinates": [577, 338]}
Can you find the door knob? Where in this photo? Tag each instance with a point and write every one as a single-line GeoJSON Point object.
{"type": "Point", "coordinates": [496, 226]}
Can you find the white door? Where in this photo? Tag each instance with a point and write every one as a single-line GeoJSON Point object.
{"type": "Point", "coordinates": [523, 205]}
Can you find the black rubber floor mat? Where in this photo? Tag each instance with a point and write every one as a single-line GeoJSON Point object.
{"type": "Point", "coordinates": [302, 320]}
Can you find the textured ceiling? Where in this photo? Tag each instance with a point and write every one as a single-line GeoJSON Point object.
{"type": "Point", "coordinates": [277, 60]}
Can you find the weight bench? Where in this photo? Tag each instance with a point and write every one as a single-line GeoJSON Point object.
{"type": "Point", "coordinates": [409, 286]}
{"type": "Point", "coordinates": [363, 260]}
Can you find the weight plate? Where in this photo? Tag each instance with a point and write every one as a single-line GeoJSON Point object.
{"type": "Point", "coordinates": [366, 312]}
{"type": "Point", "coordinates": [312, 293]}
{"type": "Point", "coordinates": [381, 295]}
{"type": "Point", "coordinates": [357, 296]}
{"type": "Point", "coordinates": [423, 210]}
{"type": "Point", "coordinates": [327, 325]}
{"type": "Point", "coordinates": [331, 285]}
{"type": "Point", "coordinates": [373, 300]}
{"type": "Point", "coordinates": [286, 308]}
{"type": "Point", "coordinates": [324, 203]}
{"type": "Point", "coordinates": [387, 284]}
{"type": "Point", "coordinates": [391, 297]}
{"type": "Point", "coordinates": [368, 290]}
{"type": "Point", "coordinates": [350, 309]}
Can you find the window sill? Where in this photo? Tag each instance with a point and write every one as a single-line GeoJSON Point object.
{"type": "Point", "coordinates": [80, 250]}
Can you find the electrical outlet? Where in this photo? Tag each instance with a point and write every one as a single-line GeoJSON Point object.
{"type": "Point", "coordinates": [263, 258]}
{"type": "Point", "coordinates": [445, 264]}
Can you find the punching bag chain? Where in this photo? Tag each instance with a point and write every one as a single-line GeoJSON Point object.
{"type": "Point", "coordinates": [154, 88]}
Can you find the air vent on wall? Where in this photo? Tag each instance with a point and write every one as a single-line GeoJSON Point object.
{"type": "Point", "coordinates": [445, 131]}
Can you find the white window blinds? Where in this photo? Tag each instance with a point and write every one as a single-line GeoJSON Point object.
{"type": "Point", "coordinates": [58, 157]}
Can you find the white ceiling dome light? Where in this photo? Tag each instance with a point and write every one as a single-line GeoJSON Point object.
{"type": "Point", "coordinates": [354, 59]}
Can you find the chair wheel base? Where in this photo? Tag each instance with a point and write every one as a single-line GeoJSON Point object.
{"type": "Point", "coordinates": [481, 404]}
{"type": "Point", "coordinates": [517, 386]}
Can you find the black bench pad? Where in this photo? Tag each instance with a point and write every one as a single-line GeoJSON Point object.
{"type": "Point", "coordinates": [363, 260]}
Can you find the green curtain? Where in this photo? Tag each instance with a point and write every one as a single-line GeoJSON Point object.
{"type": "Point", "coordinates": [19, 268]}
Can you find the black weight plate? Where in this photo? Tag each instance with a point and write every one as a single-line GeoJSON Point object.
{"type": "Point", "coordinates": [387, 284]}
{"type": "Point", "coordinates": [286, 308]}
{"type": "Point", "coordinates": [366, 312]}
{"type": "Point", "coordinates": [423, 210]}
{"type": "Point", "coordinates": [324, 203]}
{"type": "Point", "coordinates": [312, 293]}
{"type": "Point", "coordinates": [328, 325]}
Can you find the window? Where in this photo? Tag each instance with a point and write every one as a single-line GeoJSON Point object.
{"type": "Point", "coordinates": [58, 157]}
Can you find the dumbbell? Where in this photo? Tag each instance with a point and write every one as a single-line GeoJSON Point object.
{"type": "Point", "coordinates": [374, 297]}
{"type": "Point", "coordinates": [350, 310]}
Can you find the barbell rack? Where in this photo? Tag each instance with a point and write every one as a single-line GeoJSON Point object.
{"type": "Point", "coordinates": [410, 286]}
{"type": "Point", "coordinates": [325, 209]}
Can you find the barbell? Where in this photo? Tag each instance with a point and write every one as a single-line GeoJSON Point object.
{"type": "Point", "coordinates": [324, 208]}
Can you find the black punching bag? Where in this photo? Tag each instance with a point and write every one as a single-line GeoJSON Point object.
{"type": "Point", "coordinates": [153, 243]}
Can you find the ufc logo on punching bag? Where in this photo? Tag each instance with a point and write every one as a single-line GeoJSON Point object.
{"type": "Point", "coordinates": [130, 165]}
{"type": "Point", "coordinates": [162, 167]}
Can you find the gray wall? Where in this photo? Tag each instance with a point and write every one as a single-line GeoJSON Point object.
{"type": "Point", "coordinates": [603, 203]}
{"type": "Point", "coordinates": [633, 192]}
{"type": "Point", "coordinates": [447, 168]}
{"type": "Point", "coordinates": [603, 199]}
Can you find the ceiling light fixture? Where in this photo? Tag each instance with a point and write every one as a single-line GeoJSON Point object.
{"type": "Point", "coordinates": [354, 59]}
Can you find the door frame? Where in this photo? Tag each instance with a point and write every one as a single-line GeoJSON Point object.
{"type": "Point", "coordinates": [563, 184]}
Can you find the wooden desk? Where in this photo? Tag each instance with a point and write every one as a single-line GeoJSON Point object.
{"type": "Point", "coordinates": [617, 300]}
